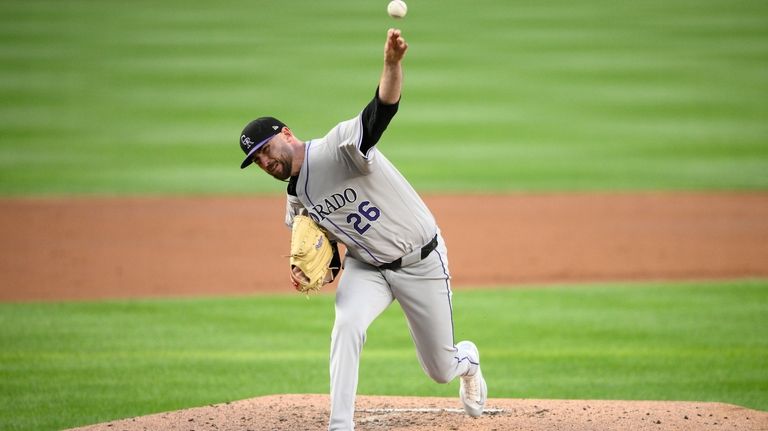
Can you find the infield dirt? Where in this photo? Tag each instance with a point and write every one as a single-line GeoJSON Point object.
{"type": "Point", "coordinates": [56, 249]}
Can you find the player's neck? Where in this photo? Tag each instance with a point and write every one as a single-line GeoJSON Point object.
{"type": "Point", "coordinates": [298, 149]}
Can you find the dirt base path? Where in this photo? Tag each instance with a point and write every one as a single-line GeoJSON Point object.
{"type": "Point", "coordinates": [55, 249]}
{"type": "Point", "coordinates": [310, 412]}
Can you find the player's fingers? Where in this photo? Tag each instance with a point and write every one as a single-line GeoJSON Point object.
{"type": "Point", "coordinates": [393, 36]}
{"type": "Point", "coordinates": [298, 274]}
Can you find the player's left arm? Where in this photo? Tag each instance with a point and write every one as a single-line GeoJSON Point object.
{"type": "Point", "coordinates": [379, 112]}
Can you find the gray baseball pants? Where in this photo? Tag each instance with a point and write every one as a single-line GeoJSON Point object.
{"type": "Point", "coordinates": [364, 292]}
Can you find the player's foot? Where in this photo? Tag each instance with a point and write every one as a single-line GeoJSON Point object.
{"type": "Point", "coordinates": [473, 390]}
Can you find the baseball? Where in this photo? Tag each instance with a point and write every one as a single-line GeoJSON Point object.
{"type": "Point", "coordinates": [397, 9]}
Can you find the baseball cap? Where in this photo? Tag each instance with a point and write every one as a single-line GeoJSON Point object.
{"type": "Point", "coordinates": [256, 134]}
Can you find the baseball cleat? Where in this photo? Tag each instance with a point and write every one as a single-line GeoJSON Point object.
{"type": "Point", "coordinates": [473, 391]}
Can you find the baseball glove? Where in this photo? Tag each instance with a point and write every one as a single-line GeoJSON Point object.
{"type": "Point", "coordinates": [311, 252]}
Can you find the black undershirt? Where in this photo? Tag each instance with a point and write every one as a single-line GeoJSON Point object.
{"type": "Point", "coordinates": [375, 118]}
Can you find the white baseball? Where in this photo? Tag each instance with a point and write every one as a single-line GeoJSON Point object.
{"type": "Point", "coordinates": [397, 9]}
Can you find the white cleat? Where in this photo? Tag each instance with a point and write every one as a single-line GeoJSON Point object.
{"type": "Point", "coordinates": [473, 391]}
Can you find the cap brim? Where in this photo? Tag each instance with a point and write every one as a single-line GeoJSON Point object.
{"type": "Point", "coordinates": [247, 160]}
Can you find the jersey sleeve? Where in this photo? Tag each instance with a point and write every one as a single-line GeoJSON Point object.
{"type": "Point", "coordinates": [293, 207]}
{"type": "Point", "coordinates": [356, 138]}
{"type": "Point", "coordinates": [344, 140]}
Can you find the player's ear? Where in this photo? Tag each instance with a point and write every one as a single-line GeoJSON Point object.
{"type": "Point", "coordinates": [288, 135]}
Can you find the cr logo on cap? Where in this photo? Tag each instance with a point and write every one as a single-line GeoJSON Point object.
{"type": "Point", "coordinates": [247, 142]}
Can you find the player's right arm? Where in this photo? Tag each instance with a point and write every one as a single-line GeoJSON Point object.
{"type": "Point", "coordinates": [379, 112]}
{"type": "Point", "coordinates": [391, 80]}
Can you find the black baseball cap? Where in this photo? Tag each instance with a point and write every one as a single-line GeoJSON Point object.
{"type": "Point", "coordinates": [256, 134]}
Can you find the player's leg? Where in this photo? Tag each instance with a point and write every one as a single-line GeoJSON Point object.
{"type": "Point", "coordinates": [424, 293]}
{"type": "Point", "coordinates": [361, 296]}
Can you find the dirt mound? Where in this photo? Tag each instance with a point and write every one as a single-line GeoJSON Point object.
{"type": "Point", "coordinates": [310, 412]}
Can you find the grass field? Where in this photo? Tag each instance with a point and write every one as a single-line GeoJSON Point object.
{"type": "Point", "coordinates": [149, 97]}
{"type": "Point", "coordinates": [67, 364]}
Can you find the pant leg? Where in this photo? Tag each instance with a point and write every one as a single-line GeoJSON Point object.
{"type": "Point", "coordinates": [362, 295]}
{"type": "Point", "coordinates": [424, 293]}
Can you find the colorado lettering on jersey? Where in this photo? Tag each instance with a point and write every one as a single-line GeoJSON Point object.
{"type": "Point", "coordinates": [332, 204]}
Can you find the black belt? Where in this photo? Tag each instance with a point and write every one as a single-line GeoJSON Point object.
{"type": "Point", "coordinates": [428, 248]}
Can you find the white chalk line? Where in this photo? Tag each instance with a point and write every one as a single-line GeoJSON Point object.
{"type": "Point", "coordinates": [425, 410]}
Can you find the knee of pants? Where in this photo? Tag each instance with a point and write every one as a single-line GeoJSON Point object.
{"type": "Point", "coordinates": [443, 372]}
{"type": "Point", "coordinates": [441, 376]}
{"type": "Point", "coordinates": [348, 329]}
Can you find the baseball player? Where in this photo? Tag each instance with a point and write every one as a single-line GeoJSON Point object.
{"type": "Point", "coordinates": [394, 247]}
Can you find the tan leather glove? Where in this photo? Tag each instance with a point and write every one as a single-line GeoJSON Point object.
{"type": "Point", "coordinates": [311, 255]}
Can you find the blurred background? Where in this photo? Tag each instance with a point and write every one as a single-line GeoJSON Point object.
{"type": "Point", "coordinates": [104, 97]}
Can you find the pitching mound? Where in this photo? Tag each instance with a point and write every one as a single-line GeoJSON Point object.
{"type": "Point", "coordinates": [310, 412]}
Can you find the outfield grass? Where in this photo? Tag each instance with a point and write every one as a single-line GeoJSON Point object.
{"type": "Point", "coordinates": [149, 97]}
{"type": "Point", "coordinates": [68, 364]}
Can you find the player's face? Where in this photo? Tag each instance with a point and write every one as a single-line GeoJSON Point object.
{"type": "Point", "coordinates": [274, 158]}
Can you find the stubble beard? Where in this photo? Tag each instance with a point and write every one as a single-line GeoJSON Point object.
{"type": "Point", "coordinates": [284, 170]}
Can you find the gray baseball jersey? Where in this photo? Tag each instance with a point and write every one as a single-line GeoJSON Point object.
{"type": "Point", "coordinates": [362, 200]}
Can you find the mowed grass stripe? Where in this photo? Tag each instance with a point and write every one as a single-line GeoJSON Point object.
{"type": "Point", "coordinates": [65, 364]}
{"type": "Point", "coordinates": [594, 95]}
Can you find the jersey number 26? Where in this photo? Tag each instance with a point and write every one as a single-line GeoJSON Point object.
{"type": "Point", "coordinates": [364, 210]}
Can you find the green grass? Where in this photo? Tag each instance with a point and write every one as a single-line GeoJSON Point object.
{"type": "Point", "coordinates": [68, 364]}
{"type": "Point", "coordinates": [149, 97]}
